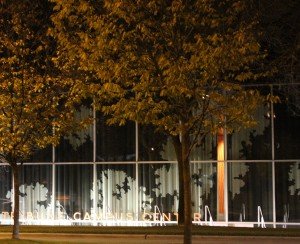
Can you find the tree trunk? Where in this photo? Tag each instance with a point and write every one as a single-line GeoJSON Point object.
{"type": "Point", "coordinates": [185, 205]}
{"type": "Point", "coordinates": [16, 210]}
{"type": "Point", "coordinates": [178, 151]}
{"type": "Point", "coordinates": [181, 204]}
{"type": "Point", "coordinates": [187, 190]}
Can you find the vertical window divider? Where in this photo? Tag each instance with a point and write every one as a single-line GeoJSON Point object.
{"type": "Point", "coordinates": [273, 161]}
{"type": "Point", "coordinates": [137, 170]}
{"type": "Point", "coordinates": [225, 176]}
{"type": "Point", "coordinates": [94, 134]}
{"type": "Point", "coordinates": [94, 164]}
{"type": "Point", "coordinates": [53, 182]}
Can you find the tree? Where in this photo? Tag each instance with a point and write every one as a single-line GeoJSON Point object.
{"type": "Point", "coordinates": [37, 104]}
{"type": "Point", "coordinates": [177, 65]}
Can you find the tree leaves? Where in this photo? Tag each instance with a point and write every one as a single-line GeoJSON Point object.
{"type": "Point", "coordinates": [166, 63]}
{"type": "Point", "coordinates": [37, 103]}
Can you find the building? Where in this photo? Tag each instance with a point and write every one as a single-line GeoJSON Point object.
{"type": "Point", "coordinates": [128, 175]}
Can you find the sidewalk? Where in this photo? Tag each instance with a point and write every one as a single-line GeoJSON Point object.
{"type": "Point", "coordinates": [136, 239]}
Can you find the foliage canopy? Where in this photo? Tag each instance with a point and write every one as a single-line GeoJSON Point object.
{"type": "Point", "coordinates": [34, 98]}
{"type": "Point", "coordinates": [178, 65]}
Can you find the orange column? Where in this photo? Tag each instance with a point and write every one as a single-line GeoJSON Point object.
{"type": "Point", "coordinates": [220, 173]}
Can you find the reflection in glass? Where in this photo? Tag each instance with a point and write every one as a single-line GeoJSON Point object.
{"type": "Point", "coordinates": [114, 143]}
{"type": "Point", "coordinates": [158, 189]}
{"type": "Point", "coordinates": [74, 184]}
{"type": "Point", "coordinates": [5, 189]}
{"type": "Point", "coordinates": [154, 146]}
{"type": "Point", "coordinates": [77, 147]}
{"type": "Point", "coordinates": [249, 186]}
{"type": "Point", "coordinates": [115, 192]}
{"type": "Point", "coordinates": [252, 143]}
{"type": "Point", "coordinates": [204, 188]}
{"type": "Point", "coordinates": [287, 191]}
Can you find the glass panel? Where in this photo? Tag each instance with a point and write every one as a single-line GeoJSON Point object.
{"type": "Point", "coordinates": [36, 193]}
{"type": "Point", "coordinates": [77, 147]}
{"type": "Point", "coordinates": [5, 193]}
{"type": "Point", "coordinates": [252, 143]}
{"type": "Point", "coordinates": [73, 191]}
{"type": "Point", "coordinates": [204, 188]}
{"type": "Point", "coordinates": [115, 143]}
{"type": "Point", "coordinates": [158, 191]}
{"type": "Point", "coordinates": [115, 192]}
{"type": "Point", "coordinates": [154, 146]}
{"type": "Point", "coordinates": [42, 155]}
{"type": "Point", "coordinates": [249, 186]}
{"type": "Point", "coordinates": [205, 149]}
{"type": "Point", "coordinates": [287, 123]}
{"type": "Point", "coordinates": [287, 191]}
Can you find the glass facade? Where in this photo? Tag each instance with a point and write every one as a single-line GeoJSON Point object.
{"type": "Point", "coordinates": [110, 175]}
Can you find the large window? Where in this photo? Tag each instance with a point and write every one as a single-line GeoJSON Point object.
{"type": "Point", "coordinates": [77, 147]}
{"type": "Point", "coordinates": [204, 189]}
{"type": "Point", "coordinates": [5, 189]}
{"type": "Point", "coordinates": [36, 192]}
{"type": "Point", "coordinates": [206, 149]}
{"type": "Point", "coordinates": [157, 146]}
{"type": "Point", "coordinates": [114, 143]}
{"type": "Point", "coordinates": [253, 143]}
{"type": "Point", "coordinates": [287, 124]}
{"type": "Point", "coordinates": [287, 191]}
{"type": "Point", "coordinates": [115, 192]}
{"type": "Point", "coordinates": [154, 146]}
{"type": "Point", "coordinates": [158, 190]}
{"type": "Point", "coordinates": [249, 189]}
{"type": "Point", "coordinates": [74, 184]}
{"type": "Point", "coordinates": [42, 155]}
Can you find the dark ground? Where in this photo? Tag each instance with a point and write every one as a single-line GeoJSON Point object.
{"type": "Point", "coordinates": [135, 239]}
